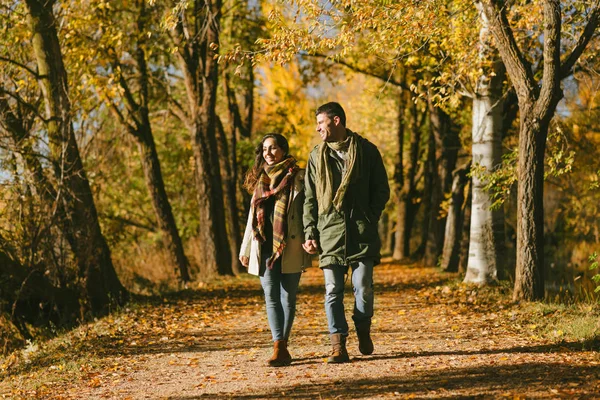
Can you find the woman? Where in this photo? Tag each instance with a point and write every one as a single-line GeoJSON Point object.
{"type": "Point", "coordinates": [272, 245]}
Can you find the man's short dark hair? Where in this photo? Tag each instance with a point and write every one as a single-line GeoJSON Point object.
{"type": "Point", "coordinates": [332, 109]}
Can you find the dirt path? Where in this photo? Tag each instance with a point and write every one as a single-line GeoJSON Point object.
{"type": "Point", "coordinates": [431, 341]}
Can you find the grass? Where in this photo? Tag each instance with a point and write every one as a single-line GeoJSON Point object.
{"type": "Point", "coordinates": [557, 322]}
{"type": "Point", "coordinates": [573, 322]}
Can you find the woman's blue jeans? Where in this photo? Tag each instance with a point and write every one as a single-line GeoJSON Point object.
{"type": "Point", "coordinates": [362, 282]}
{"type": "Point", "coordinates": [280, 298]}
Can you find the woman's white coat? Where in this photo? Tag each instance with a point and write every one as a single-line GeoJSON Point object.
{"type": "Point", "coordinates": [294, 258]}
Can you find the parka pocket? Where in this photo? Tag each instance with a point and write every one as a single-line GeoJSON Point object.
{"type": "Point", "coordinates": [332, 234]}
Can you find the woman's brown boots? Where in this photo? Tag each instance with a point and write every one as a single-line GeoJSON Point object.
{"type": "Point", "coordinates": [281, 356]}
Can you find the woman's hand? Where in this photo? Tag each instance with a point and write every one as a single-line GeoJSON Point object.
{"type": "Point", "coordinates": [245, 261]}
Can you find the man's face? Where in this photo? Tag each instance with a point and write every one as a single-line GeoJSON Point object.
{"type": "Point", "coordinates": [326, 127]}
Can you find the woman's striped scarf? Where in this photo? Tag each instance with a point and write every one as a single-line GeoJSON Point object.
{"type": "Point", "coordinates": [276, 180]}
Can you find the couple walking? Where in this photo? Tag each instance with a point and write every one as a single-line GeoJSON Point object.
{"type": "Point", "coordinates": [331, 210]}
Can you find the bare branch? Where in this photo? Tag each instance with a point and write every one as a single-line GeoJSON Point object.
{"type": "Point", "coordinates": [388, 78]}
{"type": "Point", "coordinates": [551, 76]}
{"type": "Point", "coordinates": [22, 102]}
{"type": "Point", "coordinates": [233, 107]}
{"type": "Point", "coordinates": [11, 122]}
{"type": "Point", "coordinates": [119, 115]}
{"type": "Point", "coordinates": [26, 68]}
{"type": "Point", "coordinates": [125, 221]}
{"type": "Point", "coordinates": [517, 67]}
{"type": "Point", "coordinates": [584, 39]}
{"type": "Point", "coordinates": [177, 110]}
{"type": "Point", "coordinates": [130, 103]}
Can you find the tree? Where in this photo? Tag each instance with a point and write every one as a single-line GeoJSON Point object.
{"type": "Point", "coordinates": [406, 178]}
{"type": "Point", "coordinates": [129, 67]}
{"type": "Point", "coordinates": [100, 285]}
{"type": "Point", "coordinates": [486, 242]}
{"type": "Point", "coordinates": [240, 28]}
{"type": "Point", "coordinates": [454, 221]}
{"type": "Point", "coordinates": [537, 105]}
{"type": "Point", "coordinates": [446, 145]}
{"type": "Point", "coordinates": [195, 36]}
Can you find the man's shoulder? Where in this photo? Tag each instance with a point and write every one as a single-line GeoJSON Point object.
{"type": "Point", "coordinates": [367, 145]}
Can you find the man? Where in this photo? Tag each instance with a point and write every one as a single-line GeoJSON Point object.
{"type": "Point", "coordinates": [346, 189]}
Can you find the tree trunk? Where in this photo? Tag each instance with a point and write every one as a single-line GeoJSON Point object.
{"type": "Point", "coordinates": [206, 132]}
{"type": "Point", "coordinates": [161, 204]}
{"type": "Point", "coordinates": [383, 230]}
{"type": "Point", "coordinates": [241, 128]}
{"type": "Point", "coordinates": [228, 165]}
{"type": "Point", "coordinates": [197, 52]}
{"type": "Point", "coordinates": [407, 207]}
{"type": "Point", "coordinates": [529, 276]}
{"type": "Point", "coordinates": [249, 101]}
{"type": "Point", "coordinates": [430, 180]}
{"type": "Point", "coordinates": [446, 152]}
{"type": "Point", "coordinates": [100, 284]}
{"type": "Point", "coordinates": [402, 236]}
{"type": "Point", "coordinates": [453, 233]}
{"type": "Point", "coordinates": [142, 132]}
{"type": "Point", "coordinates": [486, 245]}
{"type": "Point", "coordinates": [216, 253]}
{"type": "Point", "coordinates": [399, 178]}
{"type": "Point", "coordinates": [464, 242]}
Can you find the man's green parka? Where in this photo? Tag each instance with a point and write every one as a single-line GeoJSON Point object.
{"type": "Point", "coordinates": [350, 234]}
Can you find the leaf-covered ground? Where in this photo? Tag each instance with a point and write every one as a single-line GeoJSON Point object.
{"type": "Point", "coordinates": [433, 338]}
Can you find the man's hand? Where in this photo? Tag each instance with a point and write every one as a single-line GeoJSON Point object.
{"type": "Point", "coordinates": [310, 246]}
{"type": "Point", "coordinates": [245, 261]}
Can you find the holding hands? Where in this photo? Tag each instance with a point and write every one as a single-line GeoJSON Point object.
{"type": "Point", "coordinates": [310, 246]}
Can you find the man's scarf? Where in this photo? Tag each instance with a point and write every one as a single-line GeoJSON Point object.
{"type": "Point", "coordinates": [324, 178]}
{"type": "Point", "coordinates": [276, 180]}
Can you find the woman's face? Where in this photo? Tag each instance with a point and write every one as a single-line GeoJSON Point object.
{"type": "Point", "coordinates": [272, 153]}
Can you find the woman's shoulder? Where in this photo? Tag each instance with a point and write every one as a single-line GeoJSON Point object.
{"type": "Point", "coordinates": [300, 175]}
{"type": "Point", "coordinates": [299, 180]}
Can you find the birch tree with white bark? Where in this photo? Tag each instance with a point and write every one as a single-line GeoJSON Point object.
{"type": "Point", "coordinates": [486, 242]}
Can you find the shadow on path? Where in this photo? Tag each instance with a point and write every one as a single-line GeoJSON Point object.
{"type": "Point", "coordinates": [488, 381]}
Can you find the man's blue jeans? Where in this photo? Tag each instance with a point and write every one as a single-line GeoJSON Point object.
{"type": "Point", "coordinates": [362, 282]}
{"type": "Point", "coordinates": [280, 299]}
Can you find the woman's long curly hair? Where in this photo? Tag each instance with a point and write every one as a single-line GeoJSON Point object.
{"type": "Point", "coordinates": [259, 161]}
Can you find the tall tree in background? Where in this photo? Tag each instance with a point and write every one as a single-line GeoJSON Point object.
{"type": "Point", "coordinates": [100, 283]}
{"type": "Point", "coordinates": [486, 244]}
{"type": "Point", "coordinates": [129, 67]}
{"type": "Point", "coordinates": [195, 35]}
{"type": "Point", "coordinates": [406, 177]}
{"type": "Point", "coordinates": [454, 221]}
{"type": "Point", "coordinates": [446, 145]}
{"type": "Point", "coordinates": [240, 29]}
{"type": "Point", "coordinates": [537, 105]}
